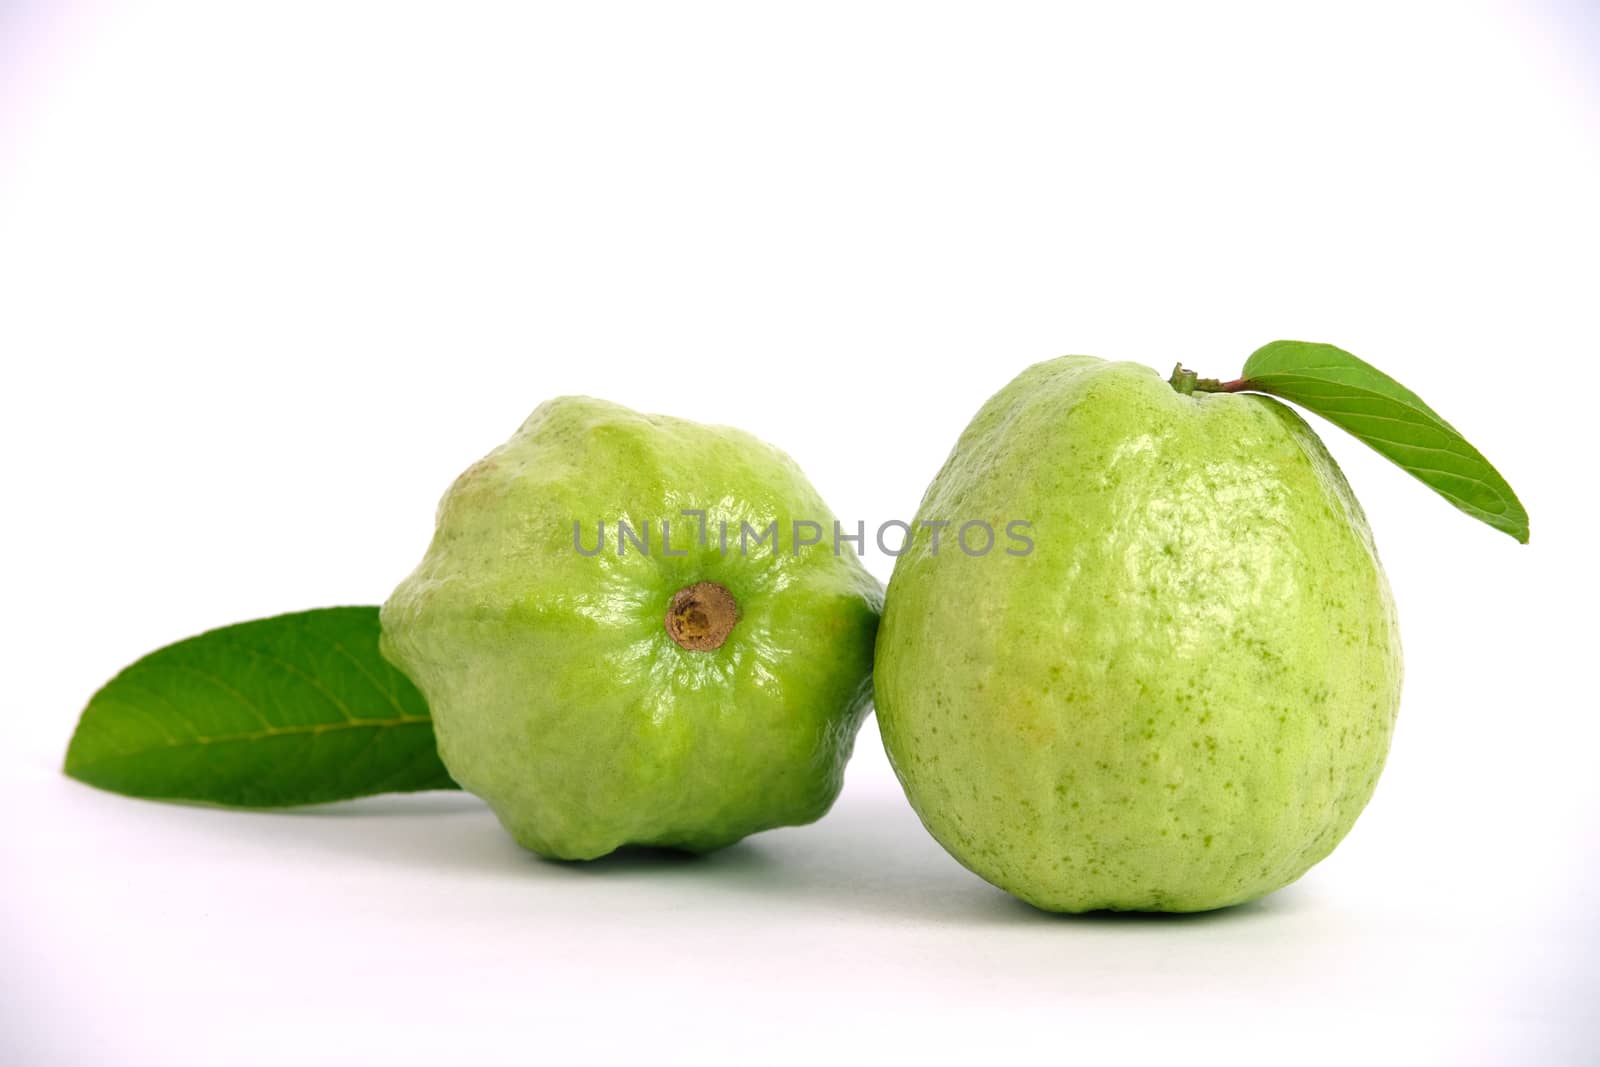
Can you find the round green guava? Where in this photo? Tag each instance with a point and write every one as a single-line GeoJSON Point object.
{"type": "Point", "coordinates": [680, 683]}
{"type": "Point", "coordinates": [1181, 698]}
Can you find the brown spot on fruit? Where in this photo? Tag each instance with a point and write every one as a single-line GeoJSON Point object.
{"type": "Point", "coordinates": [701, 616]}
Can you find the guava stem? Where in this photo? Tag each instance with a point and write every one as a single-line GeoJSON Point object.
{"type": "Point", "coordinates": [1188, 383]}
{"type": "Point", "coordinates": [1182, 380]}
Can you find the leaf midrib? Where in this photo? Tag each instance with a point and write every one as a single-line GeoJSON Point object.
{"type": "Point", "coordinates": [306, 729]}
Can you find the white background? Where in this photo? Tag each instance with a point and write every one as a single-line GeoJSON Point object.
{"type": "Point", "coordinates": [271, 275]}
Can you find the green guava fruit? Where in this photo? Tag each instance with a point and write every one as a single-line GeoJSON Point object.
{"type": "Point", "coordinates": [624, 637]}
{"type": "Point", "coordinates": [1182, 696]}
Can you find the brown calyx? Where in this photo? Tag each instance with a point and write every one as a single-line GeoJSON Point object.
{"type": "Point", "coordinates": [701, 616]}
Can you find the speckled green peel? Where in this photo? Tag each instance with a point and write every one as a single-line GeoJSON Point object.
{"type": "Point", "coordinates": [562, 690]}
{"type": "Point", "coordinates": [1182, 699]}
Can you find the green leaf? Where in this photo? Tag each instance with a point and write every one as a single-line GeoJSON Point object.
{"type": "Point", "coordinates": [295, 709]}
{"type": "Point", "coordinates": [1393, 420]}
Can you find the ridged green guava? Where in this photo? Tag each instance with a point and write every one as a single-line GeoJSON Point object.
{"type": "Point", "coordinates": [681, 684]}
{"type": "Point", "coordinates": [1182, 697]}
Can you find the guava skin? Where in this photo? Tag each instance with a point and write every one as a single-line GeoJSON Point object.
{"type": "Point", "coordinates": [557, 693]}
{"type": "Point", "coordinates": [1183, 697]}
